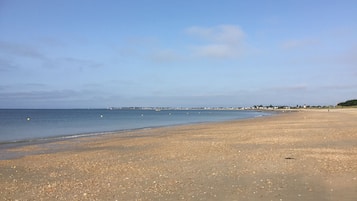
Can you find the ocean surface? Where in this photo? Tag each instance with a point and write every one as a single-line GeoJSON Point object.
{"type": "Point", "coordinates": [21, 125]}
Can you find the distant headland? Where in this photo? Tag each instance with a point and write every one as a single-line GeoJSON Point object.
{"type": "Point", "coordinates": [348, 103]}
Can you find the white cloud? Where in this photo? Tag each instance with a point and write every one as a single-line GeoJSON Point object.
{"type": "Point", "coordinates": [223, 41]}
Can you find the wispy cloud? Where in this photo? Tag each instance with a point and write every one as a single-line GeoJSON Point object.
{"type": "Point", "coordinates": [75, 62]}
{"type": "Point", "coordinates": [349, 57]}
{"type": "Point", "coordinates": [47, 99]}
{"type": "Point", "coordinates": [31, 86]}
{"type": "Point", "coordinates": [292, 88]}
{"type": "Point", "coordinates": [219, 42]}
{"type": "Point", "coordinates": [299, 43]}
{"type": "Point", "coordinates": [166, 55]}
{"type": "Point", "coordinates": [51, 42]}
{"type": "Point", "coordinates": [7, 65]}
{"type": "Point", "coordinates": [39, 95]}
{"type": "Point", "coordinates": [339, 87]}
{"type": "Point", "coordinates": [339, 61]}
{"type": "Point", "coordinates": [226, 34]}
{"type": "Point", "coordinates": [217, 51]}
{"type": "Point", "coordinates": [223, 41]}
{"type": "Point", "coordinates": [15, 51]}
{"type": "Point", "coordinates": [20, 50]}
{"type": "Point", "coordinates": [49, 95]}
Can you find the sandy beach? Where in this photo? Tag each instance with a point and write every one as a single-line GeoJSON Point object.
{"type": "Point", "coordinates": [302, 155]}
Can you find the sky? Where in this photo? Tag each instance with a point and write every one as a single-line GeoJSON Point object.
{"type": "Point", "coordinates": [189, 53]}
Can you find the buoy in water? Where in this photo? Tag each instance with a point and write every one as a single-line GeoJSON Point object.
{"type": "Point", "coordinates": [101, 116]}
{"type": "Point", "coordinates": [28, 118]}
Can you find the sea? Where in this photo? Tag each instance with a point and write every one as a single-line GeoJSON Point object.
{"type": "Point", "coordinates": [26, 125]}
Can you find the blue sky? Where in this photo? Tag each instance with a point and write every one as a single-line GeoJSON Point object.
{"type": "Point", "coordinates": [97, 54]}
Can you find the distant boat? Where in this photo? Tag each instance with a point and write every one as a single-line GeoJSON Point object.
{"type": "Point", "coordinates": [157, 110]}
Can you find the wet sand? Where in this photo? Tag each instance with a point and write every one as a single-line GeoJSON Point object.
{"type": "Point", "coordinates": [304, 155]}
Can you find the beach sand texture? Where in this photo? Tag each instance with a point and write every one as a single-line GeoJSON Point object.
{"type": "Point", "coordinates": [303, 155]}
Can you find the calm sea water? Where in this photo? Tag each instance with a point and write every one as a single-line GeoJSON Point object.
{"type": "Point", "coordinates": [28, 124]}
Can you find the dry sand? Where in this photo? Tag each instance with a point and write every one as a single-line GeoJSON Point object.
{"type": "Point", "coordinates": [305, 155]}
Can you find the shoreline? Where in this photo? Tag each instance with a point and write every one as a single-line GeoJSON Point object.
{"type": "Point", "coordinates": [306, 155]}
{"type": "Point", "coordinates": [43, 138]}
{"type": "Point", "coordinates": [59, 138]}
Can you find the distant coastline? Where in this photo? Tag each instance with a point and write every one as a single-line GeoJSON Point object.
{"type": "Point", "coordinates": [255, 107]}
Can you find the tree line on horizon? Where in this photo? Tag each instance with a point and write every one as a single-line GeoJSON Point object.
{"type": "Point", "coordinates": [348, 103]}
